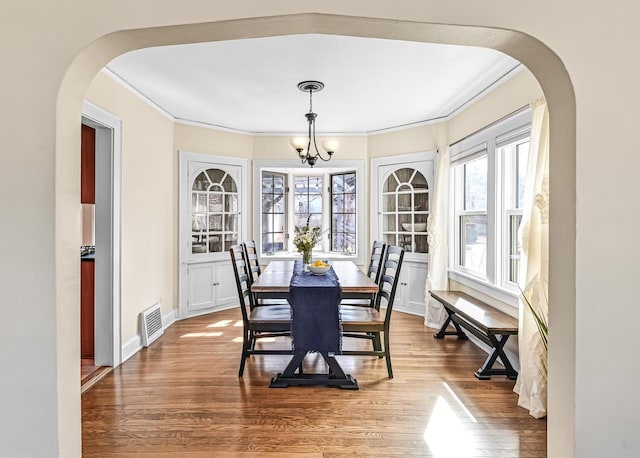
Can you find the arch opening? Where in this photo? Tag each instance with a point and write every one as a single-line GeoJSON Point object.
{"type": "Point", "coordinates": [537, 57]}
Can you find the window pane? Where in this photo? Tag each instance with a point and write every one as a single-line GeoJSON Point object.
{"type": "Point", "coordinates": [343, 211]}
{"type": "Point", "coordinates": [475, 185]}
{"type": "Point", "coordinates": [337, 204]}
{"type": "Point", "coordinates": [337, 184]}
{"type": "Point", "coordinates": [473, 242]}
{"type": "Point", "coordinates": [514, 248]}
{"type": "Point", "coordinates": [350, 182]}
{"type": "Point", "coordinates": [278, 184]}
{"type": "Point", "coordinates": [522, 159]}
{"type": "Point", "coordinates": [315, 203]}
{"type": "Point", "coordinates": [273, 211]}
{"type": "Point", "coordinates": [391, 184]}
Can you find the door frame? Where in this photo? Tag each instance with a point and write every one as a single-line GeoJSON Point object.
{"type": "Point", "coordinates": [107, 304]}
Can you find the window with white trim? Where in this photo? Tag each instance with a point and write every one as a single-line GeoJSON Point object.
{"type": "Point", "coordinates": [274, 212]}
{"type": "Point", "coordinates": [471, 215]}
{"type": "Point", "coordinates": [488, 171]}
{"type": "Point", "coordinates": [290, 196]}
{"type": "Point", "coordinates": [515, 158]}
{"type": "Point", "coordinates": [343, 212]}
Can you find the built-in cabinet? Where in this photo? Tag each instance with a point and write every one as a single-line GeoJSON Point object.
{"type": "Point", "coordinates": [410, 290]}
{"type": "Point", "coordinates": [211, 285]}
{"type": "Point", "coordinates": [213, 196]}
{"type": "Point", "coordinates": [401, 194]}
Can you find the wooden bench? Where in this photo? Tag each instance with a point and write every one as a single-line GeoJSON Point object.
{"type": "Point", "coordinates": [488, 324]}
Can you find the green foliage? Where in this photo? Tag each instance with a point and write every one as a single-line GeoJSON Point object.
{"type": "Point", "coordinates": [541, 320]}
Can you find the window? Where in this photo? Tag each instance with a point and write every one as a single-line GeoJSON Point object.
{"type": "Point", "coordinates": [343, 212]}
{"type": "Point", "coordinates": [489, 173]}
{"type": "Point", "coordinates": [308, 201]}
{"type": "Point", "coordinates": [274, 216]}
{"type": "Point", "coordinates": [331, 198]}
{"type": "Point", "coordinates": [471, 180]}
{"type": "Point", "coordinates": [515, 157]}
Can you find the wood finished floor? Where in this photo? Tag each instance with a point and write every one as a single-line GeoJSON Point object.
{"type": "Point", "coordinates": [182, 398]}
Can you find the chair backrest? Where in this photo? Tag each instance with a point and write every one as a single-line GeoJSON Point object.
{"type": "Point", "coordinates": [241, 272]}
{"type": "Point", "coordinates": [251, 256]}
{"type": "Point", "coordinates": [389, 277]}
{"type": "Point", "coordinates": [375, 262]}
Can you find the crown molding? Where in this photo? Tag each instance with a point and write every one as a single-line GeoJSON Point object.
{"type": "Point", "coordinates": [437, 120]}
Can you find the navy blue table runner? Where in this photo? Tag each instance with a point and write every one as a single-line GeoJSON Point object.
{"type": "Point", "coordinates": [315, 307]}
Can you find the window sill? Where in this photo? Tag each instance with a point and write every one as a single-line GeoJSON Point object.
{"type": "Point", "coordinates": [482, 286]}
{"type": "Point", "coordinates": [286, 256]}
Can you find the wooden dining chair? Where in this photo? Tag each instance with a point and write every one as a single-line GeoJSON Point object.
{"type": "Point", "coordinates": [257, 322]}
{"type": "Point", "coordinates": [253, 266]}
{"type": "Point", "coordinates": [251, 255]}
{"type": "Point", "coordinates": [370, 322]}
{"type": "Point", "coordinates": [373, 272]}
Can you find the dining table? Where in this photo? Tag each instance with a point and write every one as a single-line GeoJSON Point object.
{"type": "Point", "coordinates": [315, 303]}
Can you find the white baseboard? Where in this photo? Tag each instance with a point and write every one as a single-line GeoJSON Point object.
{"type": "Point", "coordinates": [218, 308]}
{"type": "Point", "coordinates": [409, 311]}
{"type": "Point", "coordinates": [131, 347]}
{"type": "Point", "coordinates": [134, 345]}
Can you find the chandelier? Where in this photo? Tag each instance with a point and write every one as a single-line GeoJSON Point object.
{"type": "Point", "coordinates": [306, 147]}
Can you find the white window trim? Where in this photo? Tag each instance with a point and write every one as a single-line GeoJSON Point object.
{"type": "Point", "coordinates": [507, 209]}
{"type": "Point", "coordinates": [324, 168]}
{"type": "Point", "coordinates": [490, 139]}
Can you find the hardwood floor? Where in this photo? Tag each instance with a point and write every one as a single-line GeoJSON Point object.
{"type": "Point", "coordinates": [182, 398]}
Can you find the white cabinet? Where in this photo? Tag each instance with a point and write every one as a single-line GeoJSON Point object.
{"type": "Point", "coordinates": [410, 290]}
{"type": "Point", "coordinates": [211, 286]}
{"type": "Point", "coordinates": [401, 193]}
{"type": "Point", "coordinates": [213, 198]}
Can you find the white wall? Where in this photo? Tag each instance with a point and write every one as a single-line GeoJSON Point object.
{"type": "Point", "coordinates": [149, 203]}
{"type": "Point", "coordinates": [54, 52]}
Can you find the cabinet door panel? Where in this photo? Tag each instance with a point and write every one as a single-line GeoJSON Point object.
{"type": "Point", "coordinates": [226, 290]}
{"type": "Point", "coordinates": [416, 278]}
{"type": "Point", "coordinates": [202, 291]}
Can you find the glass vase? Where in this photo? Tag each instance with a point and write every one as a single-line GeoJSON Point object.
{"type": "Point", "coordinates": [306, 260]}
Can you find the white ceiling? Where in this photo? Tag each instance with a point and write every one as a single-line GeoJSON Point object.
{"type": "Point", "coordinates": [370, 84]}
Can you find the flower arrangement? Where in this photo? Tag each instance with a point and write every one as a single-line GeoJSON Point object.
{"type": "Point", "coordinates": [305, 239]}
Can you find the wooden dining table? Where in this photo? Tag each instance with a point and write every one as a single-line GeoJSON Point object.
{"type": "Point", "coordinates": [274, 282]}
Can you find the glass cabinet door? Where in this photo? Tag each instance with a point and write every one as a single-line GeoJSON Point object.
{"type": "Point", "coordinates": [215, 212]}
{"type": "Point", "coordinates": [405, 209]}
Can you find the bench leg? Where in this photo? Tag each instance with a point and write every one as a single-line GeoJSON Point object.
{"type": "Point", "coordinates": [486, 371]}
{"type": "Point", "coordinates": [443, 330]}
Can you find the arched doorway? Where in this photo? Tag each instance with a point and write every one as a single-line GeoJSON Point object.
{"type": "Point", "coordinates": [542, 62]}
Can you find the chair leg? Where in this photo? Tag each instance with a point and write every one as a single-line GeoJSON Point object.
{"type": "Point", "coordinates": [245, 346]}
{"type": "Point", "coordinates": [377, 345]}
{"type": "Point", "coordinates": [253, 339]}
{"type": "Point", "coordinates": [387, 353]}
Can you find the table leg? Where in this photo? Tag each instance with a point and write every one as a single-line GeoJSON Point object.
{"type": "Point", "coordinates": [335, 377]}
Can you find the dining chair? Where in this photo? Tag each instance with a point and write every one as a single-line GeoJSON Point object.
{"type": "Point", "coordinates": [253, 266]}
{"type": "Point", "coordinates": [370, 322]}
{"type": "Point", "coordinates": [257, 322]}
{"type": "Point", "coordinates": [251, 254]}
{"type": "Point", "coordinates": [373, 272]}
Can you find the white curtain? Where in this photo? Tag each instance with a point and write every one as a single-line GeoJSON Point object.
{"type": "Point", "coordinates": [533, 236]}
{"type": "Point", "coordinates": [437, 227]}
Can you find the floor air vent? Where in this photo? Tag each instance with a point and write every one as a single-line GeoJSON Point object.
{"type": "Point", "coordinates": [151, 324]}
